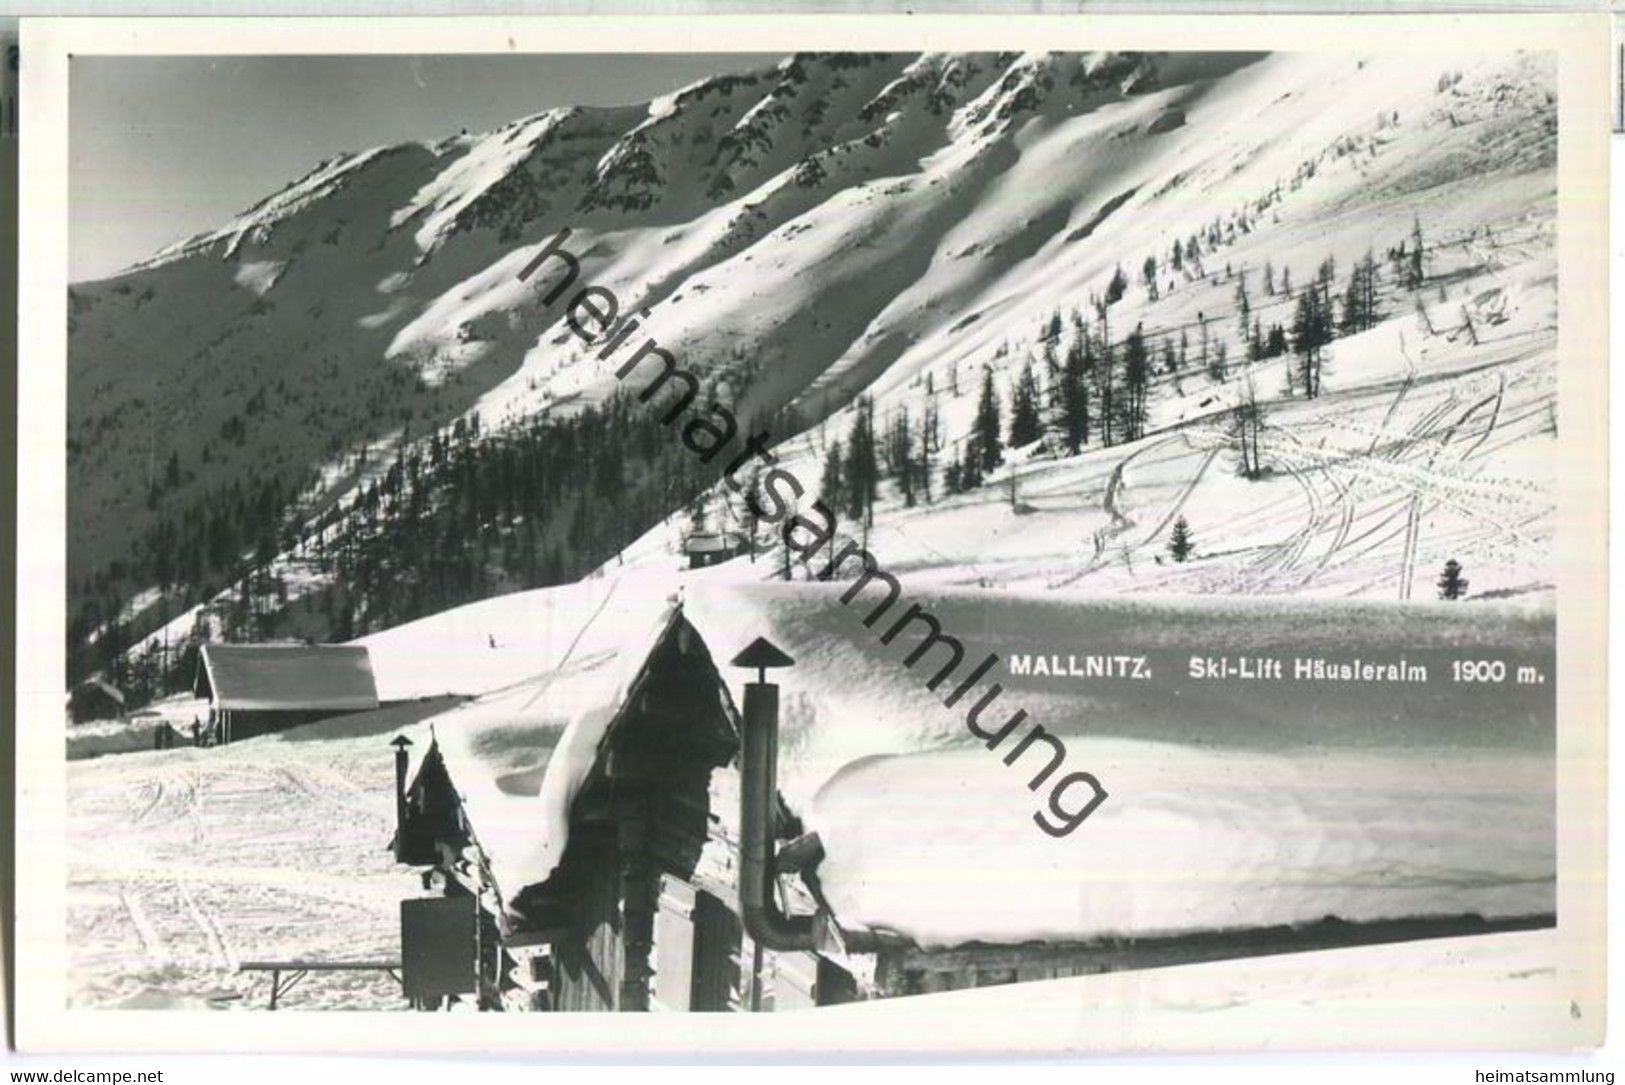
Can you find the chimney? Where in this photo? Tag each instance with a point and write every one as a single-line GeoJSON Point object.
{"type": "Point", "coordinates": [759, 909]}
{"type": "Point", "coordinates": [401, 850]}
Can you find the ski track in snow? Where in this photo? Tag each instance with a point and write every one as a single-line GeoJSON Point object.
{"type": "Point", "coordinates": [1179, 503]}
{"type": "Point", "coordinates": [151, 944]}
{"type": "Point", "coordinates": [1345, 495]}
{"type": "Point", "coordinates": [266, 849]}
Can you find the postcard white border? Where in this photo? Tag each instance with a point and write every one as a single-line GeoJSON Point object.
{"type": "Point", "coordinates": [1097, 1014]}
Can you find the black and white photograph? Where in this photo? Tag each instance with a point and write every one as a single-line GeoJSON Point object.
{"type": "Point", "coordinates": [827, 531]}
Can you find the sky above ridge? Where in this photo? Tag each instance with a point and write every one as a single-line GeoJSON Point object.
{"type": "Point", "coordinates": [161, 148]}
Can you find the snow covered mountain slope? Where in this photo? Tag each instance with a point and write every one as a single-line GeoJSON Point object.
{"type": "Point", "coordinates": [375, 299]}
{"type": "Point", "coordinates": [1430, 437]}
{"type": "Point", "coordinates": [877, 226]}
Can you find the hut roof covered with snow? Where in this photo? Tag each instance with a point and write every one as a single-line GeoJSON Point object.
{"type": "Point", "coordinates": [713, 542]}
{"type": "Point", "coordinates": [286, 677]}
{"type": "Point", "coordinates": [1273, 802]}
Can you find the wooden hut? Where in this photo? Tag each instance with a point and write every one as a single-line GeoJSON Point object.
{"type": "Point", "coordinates": [95, 699]}
{"type": "Point", "coordinates": [254, 689]}
{"type": "Point", "coordinates": [707, 548]}
{"type": "Point", "coordinates": [641, 911]}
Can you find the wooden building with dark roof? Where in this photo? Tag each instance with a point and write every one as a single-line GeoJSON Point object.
{"type": "Point", "coordinates": [254, 689]}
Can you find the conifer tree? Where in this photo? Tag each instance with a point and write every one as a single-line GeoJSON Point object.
{"type": "Point", "coordinates": [1452, 585]}
{"type": "Point", "coordinates": [1074, 393]}
{"type": "Point", "coordinates": [1116, 286]}
{"type": "Point", "coordinates": [862, 475]}
{"type": "Point", "coordinates": [1417, 274]}
{"type": "Point", "coordinates": [1051, 367]}
{"type": "Point", "coordinates": [1360, 299]}
{"type": "Point", "coordinates": [989, 446]}
{"type": "Point", "coordinates": [1180, 544]}
{"type": "Point", "coordinates": [901, 464]}
{"type": "Point", "coordinates": [1244, 309]}
{"type": "Point", "coordinates": [1052, 330]}
{"type": "Point", "coordinates": [1025, 426]}
{"type": "Point", "coordinates": [969, 473]}
{"type": "Point", "coordinates": [1136, 385]}
{"type": "Point", "coordinates": [1202, 360]}
{"type": "Point", "coordinates": [1311, 331]}
{"type": "Point", "coordinates": [1104, 372]}
{"type": "Point", "coordinates": [833, 484]}
{"type": "Point", "coordinates": [930, 444]}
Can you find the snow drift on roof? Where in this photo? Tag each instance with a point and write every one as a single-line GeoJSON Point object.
{"type": "Point", "coordinates": [107, 689]}
{"type": "Point", "coordinates": [1229, 807]}
{"type": "Point", "coordinates": [520, 754]}
{"type": "Point", "coordinates": [1231, 804]}
{"type": "Point", "coordinates": [276, 677]}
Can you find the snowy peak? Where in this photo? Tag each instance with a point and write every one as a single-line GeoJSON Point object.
{"type": "Point", "coordinates": [673, 158]}
{"type": "Point", "coordinates": [315, 209]}
{"type": "Point", "coordinates": [512, 176]}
